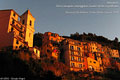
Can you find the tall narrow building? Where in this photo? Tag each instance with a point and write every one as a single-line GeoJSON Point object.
{"type": "Point", "coordinates": [73, 55]}
{"type": "Point", "coordinates": [28, 20]}
{"type": "Point", "coordinates": [16, 31]}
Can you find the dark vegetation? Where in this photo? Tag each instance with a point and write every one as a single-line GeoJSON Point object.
{"type": "Point", "coordinates": [11, 65]}
{"type": "Point", "coordinates": [46, 69]}
{"type": "Point", "coordinates": [114, 44]}
{"type": "Point", "coordinates": [37, 41]}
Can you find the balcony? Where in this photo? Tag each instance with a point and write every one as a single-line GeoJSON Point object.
{"type": "Point", "coordinates": [77, 55]}
{"type": "Point", "coordinates": [75, 60]}
{"type": "Point", "coordinates": [18, 26]}
{"type": "Point", "coordinates": [20, 36]}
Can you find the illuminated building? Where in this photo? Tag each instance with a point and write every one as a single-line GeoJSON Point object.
{"type": "Point", "coordinates": [73, 55]}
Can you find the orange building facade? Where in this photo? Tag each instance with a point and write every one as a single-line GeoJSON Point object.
{"type": "Point", "coordinates": [50, 44]}
{"type": "Point", "coordinates": [74, 55]}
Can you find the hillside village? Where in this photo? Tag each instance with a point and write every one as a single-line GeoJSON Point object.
{"type": "Point", "coordinates": [17, 33]}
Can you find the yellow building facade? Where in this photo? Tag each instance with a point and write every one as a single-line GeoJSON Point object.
{"type": "Point", "coordinates": [28, 20]}
{"type": "Point", "coordinates": [93, 47]}
{"type": "Point", "coordinates": [114, 53]}
{"type": "Point", "coordinates": [16, 31]}
{"type": "Point", "coordinates": [93, 65]}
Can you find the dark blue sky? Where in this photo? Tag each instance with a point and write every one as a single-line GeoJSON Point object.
{"type": "Point", "coordinates": [54, 19]}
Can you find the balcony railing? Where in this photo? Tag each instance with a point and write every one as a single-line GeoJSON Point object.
{"type": "Point", "coordinates": [77, 67]}
{"type": "Point", "coordinates": [78, 55]}
{"type": "Point", "coordinates": [20, 36]}
{"type": "Point", "coordinates": [75, 60]}
{"type": "Point", "coordinates": [17, 25]}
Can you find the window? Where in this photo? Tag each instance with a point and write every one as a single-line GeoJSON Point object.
{"type": "Point", "coordinates": [79, 59]}
{"type": "Point", "coordinates": [83, 60]}
{"type": "Point", "coordinates": [72, 64]}
{"type": "Point", "coordinates": [21, 27]}
{"type": "Point", "coordinates": [78, 53]}
{"type": "Point", "coordinates": [80, 65]}
{"type": "Point", "coordinates": [13, 21]}
{"type": "Point", "coordinates": [21, 35]}
{"type": "Point", "coordinates": [30, 23]}
{"type": "Point", "coordinates": [52, 34]}
{"type": "Point", "coordinates": [23, 21]}
{"type": "Point", "coordinates": [71, 47]}
{"type": "Point", "coordinates": [72, 58]}
{"type": "Point", "coordinates": [14, 14]}
{"type": "Point", "coordinates": [94, 62]}
{"type": "Point", "coordinates": [16, 47]}
{"type": "Point", "coordinates": [20, 46]}
{"type": "Point", "coordinates": [17, 42]}
{"type": "Point", "coordinates": [17, 25]}
{"type": "Point", "coordinates": [78, 48]}
{"type": "Point", "coordinates": [36, 51]}
{"type": "Point", "coordinates": [83, 65]}
{"type": "Point", "coordinates": [11, 29]}
{"type": "Point", "coordinates": [72, 53]}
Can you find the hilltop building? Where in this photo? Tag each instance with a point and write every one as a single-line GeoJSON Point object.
{"type": "Point", "coordinates": [16, 31]}
{"type": "Point", "coordinates": [73, 54]}
{"type": "Point", "coordinates": [51, 44]}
